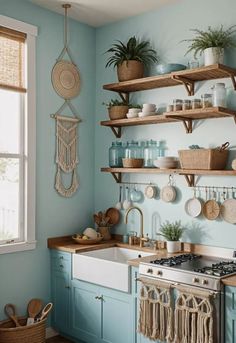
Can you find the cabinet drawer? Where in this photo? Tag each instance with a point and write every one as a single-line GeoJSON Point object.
{"type": "Point", "coordinates": [61, 261]}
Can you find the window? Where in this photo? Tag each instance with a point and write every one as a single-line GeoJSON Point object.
{"type": "Point", "coordinates": [17, 135]}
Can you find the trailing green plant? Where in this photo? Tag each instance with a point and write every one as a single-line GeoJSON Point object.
{"type": "Point", "coordinates": [134, 49]}
{"type": "Point", "coordinates": [212, 38]}
{"type": "Point", "coordinates": [171, 231]}
{"type": "Point", "coordinates": [115, 102]}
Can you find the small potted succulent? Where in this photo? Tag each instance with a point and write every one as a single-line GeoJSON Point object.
{"type": "Point", "coordinates": [131, 58]}
{"type": "Point", "coordinates": [212, 43]}
{"type": "Point", "coordinates": [172, 232]}
{"type": "Point", "coordinates": [118, 109]}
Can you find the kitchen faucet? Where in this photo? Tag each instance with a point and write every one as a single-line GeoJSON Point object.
{"type": "Point", "coordinates": [141, 237]}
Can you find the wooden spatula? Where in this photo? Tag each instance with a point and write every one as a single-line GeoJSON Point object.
{"type": "Point", "coordinates": [34, 307]}
{"type": "Point", "coordinates": [10, 311]}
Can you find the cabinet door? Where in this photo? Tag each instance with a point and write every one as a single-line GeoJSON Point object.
{"type": "Point", "coordinates": [230, 314]}
{"type": "Point", "coordinates": [61, 301]}
{"type": "Point", "coordinates": [86, 311]}
{"type": "Point", "coordinates": [117, 321]}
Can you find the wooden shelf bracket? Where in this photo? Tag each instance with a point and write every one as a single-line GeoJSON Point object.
{"type": "Point", "coordinates": [117, 177]}
{"type": "Point", "coordinates": [233, 80]}
{"type": "Point", "coordinates": [188, 122]}
{"type": "Point", "coordinates": [188, 84]}
{"type": "Point", "coordinates": [116, 131]}
{"type": "Point", "coordinates": [190, 179]}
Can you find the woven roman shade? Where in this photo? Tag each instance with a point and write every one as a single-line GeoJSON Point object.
{"type": "Point", "coordinates": [12, 59]}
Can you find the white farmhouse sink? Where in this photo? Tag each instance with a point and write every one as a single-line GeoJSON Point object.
{"type": "Point", "coordinates": [106, 267]}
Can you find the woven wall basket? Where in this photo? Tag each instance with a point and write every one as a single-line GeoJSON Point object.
{"type": "Point", "coordinates": [66, 80]}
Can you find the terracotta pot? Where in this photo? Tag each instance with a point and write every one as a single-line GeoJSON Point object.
{"type": "Point", "coordinates": [130, 70]}
{"type": "Point", "coordinates": [213, 56]}
{"type": "Point", "coordinates": [118, 112]}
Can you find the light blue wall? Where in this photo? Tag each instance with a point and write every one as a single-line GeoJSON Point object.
{"type": "Point", "coordinates": [165, 28]}
{"type": "Point", "coordinates": [25, 275]}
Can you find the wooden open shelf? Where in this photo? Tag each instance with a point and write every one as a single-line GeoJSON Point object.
{"type": "Point", "coordinates": [186, 117]}
{"type": "Point", "coordinates": [189, 174]}
{"type": "Point", "coordinates": [185, 77]}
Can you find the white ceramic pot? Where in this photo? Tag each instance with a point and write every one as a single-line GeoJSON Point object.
{"type": "Point", "coordinates": [173, 246]}
{"type": "Point", "coordinates": [213, 56]}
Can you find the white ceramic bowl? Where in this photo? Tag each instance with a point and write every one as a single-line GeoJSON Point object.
{"type": "Point", "coordinates": [146, 114]}
{"type": "Point", "coordinates": [167, 158]}
{"type": "Point", "coordinates": [134, 110]}
{"type": "Point", "coordinates": [165, 165]}
{"type": "Point", "coordinates": [149, 106]}
{"type": "Point", "coordinates": [91, 233]}
{"type": "Point", "coordinates": [131, 115]}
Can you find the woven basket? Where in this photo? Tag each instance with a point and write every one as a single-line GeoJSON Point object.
{"type": "Point", "coordinates": [206, 159]}
{"type": "Point", "coordinates": [118, 112]}
{"type": "Point", "coordinates": [130, 70]}
{"type": "Point", "coordinates": [35, 333]}
{"type": "Point", "coordinates": [132, 162]}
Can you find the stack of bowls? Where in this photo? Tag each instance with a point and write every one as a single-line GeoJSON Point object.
{"type": "Point", "coordinates": [148, 110]}
{"type": "Point", "coordinates": [166, 162]}
{"type": "Point", "coordinates": [132, 113]}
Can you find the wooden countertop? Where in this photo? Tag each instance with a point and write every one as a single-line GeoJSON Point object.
{"type": "Point", "coordinates": [230, 281]}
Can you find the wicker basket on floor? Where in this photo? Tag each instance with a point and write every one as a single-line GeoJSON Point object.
{"type": "Point", "coordinates": [35, 333]}
{"type": "Point", "coordinates": [206, 159]}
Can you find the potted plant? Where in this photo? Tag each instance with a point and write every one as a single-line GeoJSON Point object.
{"type": "Point", "coordinates": [172, 232]}
{"type": "Point", "coordinates": [118, 109]}
{"type": "Point", "coordinates": [212, 43]}
{"type": "Point", "coordinates": [131, 58]}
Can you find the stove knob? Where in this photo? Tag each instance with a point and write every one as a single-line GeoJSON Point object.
{"type": "Point", "coordinates": [195, 280]}
{"type": "Point", "coordinates": [149, 271]}
{"type": "Point", "coordinates": [159, 272]}
{"type": "Point", "coordinates": [204, 282]}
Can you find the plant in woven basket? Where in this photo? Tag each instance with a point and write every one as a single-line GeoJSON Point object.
{"type": "Point", "coordinates": [116, 102]}
{"type": "Point", "coordinates": [212, 42]}
{"type": "Point", "coordinates": [130, 58]}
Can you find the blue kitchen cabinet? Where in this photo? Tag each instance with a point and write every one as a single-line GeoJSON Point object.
{"type": "Point", "coordinates": [230, 314]}
{"type": "Point", "coordinates": [61, 279]}
{"type": "Point", "coordinates": [101, 315]}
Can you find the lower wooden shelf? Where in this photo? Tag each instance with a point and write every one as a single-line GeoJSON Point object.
{"type": "Point", "coordinates": [189, 174]}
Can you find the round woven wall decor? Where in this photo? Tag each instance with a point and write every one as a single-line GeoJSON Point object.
{"type": "Point", "coordinates": [65, 79]}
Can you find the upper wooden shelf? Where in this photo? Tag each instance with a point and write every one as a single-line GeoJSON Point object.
{"type": "Point", "coordinates": [188, 173]}
{"type": "Point", "coordinates": [186, 77]}
{"type": "Point", "coordinates": [186, 117]}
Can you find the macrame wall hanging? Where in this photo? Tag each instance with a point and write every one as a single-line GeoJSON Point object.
{"type": "Point", "coordinates": [66, 83]}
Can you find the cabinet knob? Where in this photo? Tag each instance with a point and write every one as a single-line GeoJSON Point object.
{"type": "Point", "coordinates": [61, 257]}
{"type": "Point", "coordinates": [99, 297]}
{"type": "Point", "coordinates": [67, 287]}
{"type": "Point", "coordinates": [61, 266]}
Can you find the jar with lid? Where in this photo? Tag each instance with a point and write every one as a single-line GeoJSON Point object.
{"type": "Point", "coordinates": [116, 153]}
{"type": "Point", "coordinates": [177, 104]}
{"type": "Point", "coordinates": [151, 153]}
{"type": "Point", "coordinates": [196, 103]}
{"type": "Point", "coordinates": [133, 150]}
{"type": "Point", "coordinates": [206, 100]}
{"type": "Point", "coordinates": [219, 95]}
{"type": "Point", "coordinates": [186, 105]}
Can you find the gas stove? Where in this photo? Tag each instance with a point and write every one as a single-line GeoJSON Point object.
{"type": "Point", "coordinates": [191, 269]}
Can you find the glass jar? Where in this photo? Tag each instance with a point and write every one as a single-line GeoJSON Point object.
{"type": "Point", "coordinates": [196, 103]}
{"type": "Point", "coordinates": [151, 153]}
{"type": "Point", "coordinates": [206, 100]}
{"type": "Point", "coordinates": [186, 105]}
{"type": "Point", "coordinates": [133, 150]}
{"type": "Point", "coordinates": [116, 153]}
{"type": "Point", "coordinates": [219, 95]}
{"type": "Point", "coordinates": [177, 104]}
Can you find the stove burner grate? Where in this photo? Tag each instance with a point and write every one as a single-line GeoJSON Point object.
{"type": "Point", "coordinates": [175, 260]}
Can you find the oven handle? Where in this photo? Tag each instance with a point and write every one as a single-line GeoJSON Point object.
{"type": "Point", "coordinates": [173, 285]}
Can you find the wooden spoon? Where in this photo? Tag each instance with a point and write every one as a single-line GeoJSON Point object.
{"type": "Point", "coordinates": [10, 311]}
{"type": "Point", "coordinates": [34, 307]}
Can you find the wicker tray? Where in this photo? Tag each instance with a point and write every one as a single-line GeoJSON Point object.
{"type": "Point", "coordinates": [35, 333]}
{"type": "Point", "coordinates": [206, 159]}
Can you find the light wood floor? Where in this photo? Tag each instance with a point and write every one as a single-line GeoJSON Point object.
{"type": "Point", "coordinates": [58, 339]}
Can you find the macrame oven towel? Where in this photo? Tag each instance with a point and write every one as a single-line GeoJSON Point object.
{"type": "Point", "coordinates": [193, 316]}
{"type": "Point", "coordinates": [66, 154]}
{"type": "Point", "coordinates": [156, 311]}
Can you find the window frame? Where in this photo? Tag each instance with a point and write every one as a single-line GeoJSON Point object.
{"type": "Point", "coordinates": [29, 149]}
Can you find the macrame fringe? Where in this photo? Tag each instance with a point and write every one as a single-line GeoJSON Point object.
{"type": "Point", "coordinates": [66, 155]}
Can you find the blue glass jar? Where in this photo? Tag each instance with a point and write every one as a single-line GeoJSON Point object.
{"type": "Point", "coordinates": [133, 150]}
{"type": "Point", "coordinates": [116, 153]}
{"type": "Point", "coordinates": [151, 153]}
